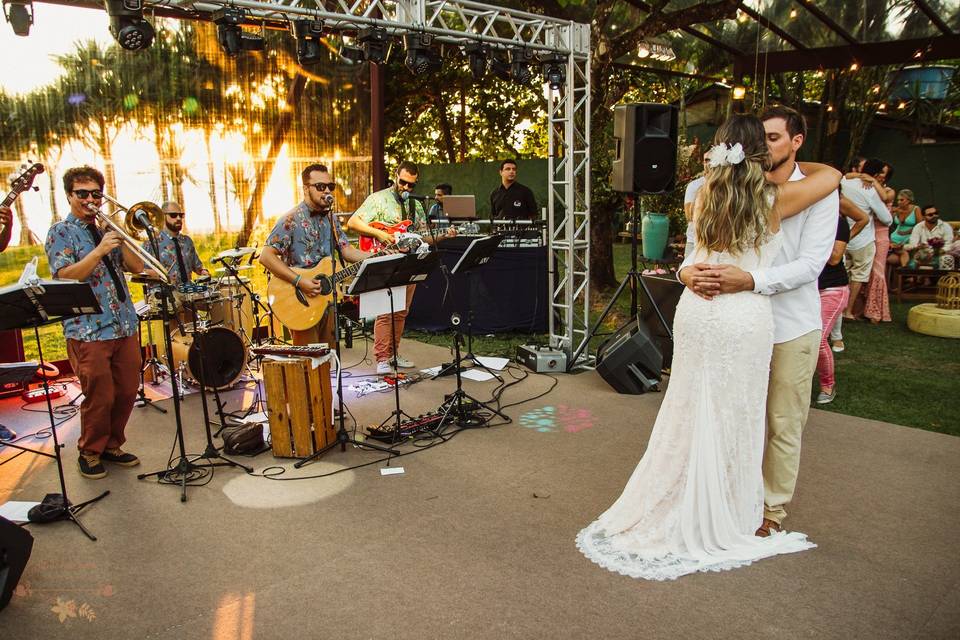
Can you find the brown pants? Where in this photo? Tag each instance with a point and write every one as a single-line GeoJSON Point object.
{"type": "Point", "coordinates": [109, 377]}
{"type": "Point", "coordinates": [383, 336]}
{"type": "Point", "coordinates": [320, 332]}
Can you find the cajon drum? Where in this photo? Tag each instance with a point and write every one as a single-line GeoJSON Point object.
{"type": "Point", "coordinates": [299, 406]}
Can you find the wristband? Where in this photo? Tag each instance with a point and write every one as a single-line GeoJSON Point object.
{"type": "Point", "coordinates": [296, 281]}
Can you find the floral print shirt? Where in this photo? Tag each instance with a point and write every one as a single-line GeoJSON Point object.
{"type": "Point", "coordinates": [384, 206]}
{"type": "Point", "coordinates": [68, 242]}
{"type": "Point", "coordinates": [168, 255]}
{"type": "Point", "coordinates": [302, 239]}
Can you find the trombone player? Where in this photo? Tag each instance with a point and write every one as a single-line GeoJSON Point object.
{"type": "Point", "coordinates": [103, 348]}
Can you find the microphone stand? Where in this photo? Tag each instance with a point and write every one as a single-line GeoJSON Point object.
{"type": "Point", "coordinates": [342, 436]}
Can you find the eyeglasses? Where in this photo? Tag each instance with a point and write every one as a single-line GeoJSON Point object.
{"type": "Point", "coordinates": [404, 183]}
{"type": "Point", "coordinates": [328, 186]}
{"type": "Point", "coordinates": [177, 214]}
{"type": "Point", "coordinates": [932, 214]}
{"type": "Point", "coordinates": [83, 194]}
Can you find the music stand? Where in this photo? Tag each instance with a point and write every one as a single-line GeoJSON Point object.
{"type": "Point", "coordinates": [478, 253]}
{"type": "Point", "coordinates": [386, 272]}
{"type": "Point", "coordinates": [35, 304]}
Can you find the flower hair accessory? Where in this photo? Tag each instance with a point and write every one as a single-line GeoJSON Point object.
{"type": "Point", "coordinates": [720, 155]}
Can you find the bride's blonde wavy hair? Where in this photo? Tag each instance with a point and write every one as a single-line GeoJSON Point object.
{"type": "Point", "coordinates": [735, 205]}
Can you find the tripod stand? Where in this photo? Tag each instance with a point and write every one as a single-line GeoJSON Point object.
{"type": "Point", "coordinates": [631, 279]}
{"type": "Point", "coordinates": [185, 468]}
{"type": "Point", "coordinates": [454, 405]}
{"type": "Point", "coordinates": [34, 305]}
{"type": "Point", "coordinates": [478, 253]}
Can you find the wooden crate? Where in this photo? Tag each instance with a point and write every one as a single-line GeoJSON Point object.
{"type": "Point", "coordinates": [299, 406]}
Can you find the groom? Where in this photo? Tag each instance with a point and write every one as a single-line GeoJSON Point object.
{"type": "Point", "coordinates": [791, 281]}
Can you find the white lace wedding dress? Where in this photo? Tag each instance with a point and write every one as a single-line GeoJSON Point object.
{"type": "Point", "coordinates": [696, 498]}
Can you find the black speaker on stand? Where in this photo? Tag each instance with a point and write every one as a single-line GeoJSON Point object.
{"type": "Point", "coordinates": [645, 162]}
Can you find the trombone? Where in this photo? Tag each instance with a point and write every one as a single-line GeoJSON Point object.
{"type": "Point", "coordinates": [134, 224]}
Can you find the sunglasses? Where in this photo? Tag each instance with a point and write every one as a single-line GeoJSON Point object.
{"type": "Point", "coordinates": [404, 183]}
{"type": "Point", "coordinates": [931, 215]}
{"type": "Point", "coordinates": [177, 214]}
{"type": "Point", "coordinates": [83, 194]}
{"type": "Point", "coordinates": [321, 186]}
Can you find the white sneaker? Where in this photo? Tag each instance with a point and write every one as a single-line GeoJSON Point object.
{"type": "Point", "coordinates": [403, 363]}
{"type": "Point", "coordinates": [837, 347]}
{"type": "Point", "coordinates": [384, 368]}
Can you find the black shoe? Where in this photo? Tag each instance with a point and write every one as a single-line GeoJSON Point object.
{"type": "Point", "coordinates": [7, 433]}
{"type": "Point", "coordinates": [120, 457]}
{"type": "Point", "coordinates": [91, 467]}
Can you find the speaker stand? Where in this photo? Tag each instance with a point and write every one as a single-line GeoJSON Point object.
{"type": "Point", "coordinates": [631, 279]}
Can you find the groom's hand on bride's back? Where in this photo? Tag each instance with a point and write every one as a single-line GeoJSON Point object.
{"type": "Point", "coordinates": [709, 280]}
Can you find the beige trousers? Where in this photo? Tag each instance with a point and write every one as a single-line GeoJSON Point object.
{"type": "Point", "coordinates": [788, 403]}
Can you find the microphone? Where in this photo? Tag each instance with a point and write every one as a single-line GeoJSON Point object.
{"type": "Point", "coordinates": [406, 195]}
{"type": "Point", "coordinates": [216, 259]}
{"type": "Point", "coordinates": [328, 198]}
{"type": "Point", "coordinates": [143, 219]}
{"type": "Point", "coordinates": [254, 253]}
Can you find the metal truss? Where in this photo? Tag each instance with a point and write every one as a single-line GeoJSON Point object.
{"type": "Point", "coordinates": [461, 22]}
{"type": "Point", "coordinates": [568, 211]}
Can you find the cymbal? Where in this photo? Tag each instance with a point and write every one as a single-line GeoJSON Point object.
{"type": "Point", "coordinates": [236, 253]}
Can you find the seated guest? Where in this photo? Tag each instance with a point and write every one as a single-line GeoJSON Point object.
{"type": "Point", "coordinates": [906, 215]}
{"type": "Point", "coordinates": [436, 210]}
{"type": "Point", "coordinates": [921, 253]}
{"type": "Point", "coordinates": [834, 291]}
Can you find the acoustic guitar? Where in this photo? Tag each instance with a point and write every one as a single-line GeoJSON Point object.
{"type": "Point", "coordinates": [370, 243]}
{"type": "Point", "coordinates": [300, 312]}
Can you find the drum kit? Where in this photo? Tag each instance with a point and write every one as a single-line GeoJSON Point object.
{"type": "Point", "coordinates": [220, 308]}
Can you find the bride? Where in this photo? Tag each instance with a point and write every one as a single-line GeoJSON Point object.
{"type": "Point", "coordinates": [696, 498]}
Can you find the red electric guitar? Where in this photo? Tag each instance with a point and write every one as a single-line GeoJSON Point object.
{"type": "Point", "coordinates": [369, 243]}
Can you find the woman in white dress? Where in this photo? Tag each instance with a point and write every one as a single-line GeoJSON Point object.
{"type": "Point", "coordinates": [696, 498]}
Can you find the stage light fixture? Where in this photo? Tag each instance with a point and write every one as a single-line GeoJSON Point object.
{"type": "Point", "coordinates": [230, 35]}
{"type": "Point", "coordinates": [421, 57]}
{"type": "Point", "coordinates": [520, 60]}
{"type": "Point", "coordinates": [127, 24]}
{"type": "Point", "coordinates": [554, 70]}
{"type": "Point", "coordinates": [375, 44]}
{"type": "Point", "coordinates": [477, 58]}
{"type": "Point", "coordinates": [500, 66]}
{"type": "Point", "coordinates": [19, 14]}
{"type": "Point", "coordinates": [307, 34]}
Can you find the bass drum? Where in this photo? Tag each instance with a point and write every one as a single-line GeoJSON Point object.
{"type": "Point", "coordinates": [224, 356]}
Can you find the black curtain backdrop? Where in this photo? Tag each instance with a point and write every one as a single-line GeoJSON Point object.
{"type": "Point", "coordinates": [509, 292]}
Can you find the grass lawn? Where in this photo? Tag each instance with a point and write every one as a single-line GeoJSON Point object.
{"type": "Point", "coordinates": [887, 372]}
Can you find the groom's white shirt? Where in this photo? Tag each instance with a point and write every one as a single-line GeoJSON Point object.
{"type": "Point", "coordinates": [791, 280]}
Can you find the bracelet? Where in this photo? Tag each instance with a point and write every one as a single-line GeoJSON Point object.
{"type": "Point", "coordinates": [296, 281]}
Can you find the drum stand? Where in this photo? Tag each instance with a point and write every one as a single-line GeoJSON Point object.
{"type": "Point", "coordinates": [153, 365]}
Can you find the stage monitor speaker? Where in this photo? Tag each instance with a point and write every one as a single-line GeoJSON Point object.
{"type": "Point", "coordinates": [11, 350]}
{"type": "Point", "coordinates": [16, 543]}
{"type": "Point", "coordinates": [645, 148]}
{"type": "Point", "coordinates": [630, 361]}
{"type": "Point", "coordinates": [659, 296]}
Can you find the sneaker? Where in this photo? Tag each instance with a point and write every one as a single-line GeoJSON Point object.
{"type": "Point", "coordinates": [403, 363]}
{"type": "Point", "coordinates": [120, 457]}
{"type": "Point", "coordinates": [91, 467]}
{"type": "Point", "coordinates": [824, 397]}
{"type": "Point", "coordinates": [6, 433]}
{"type": "Point", "coordinates": [384, 368]}
{"type": "Point", "coordinates": [837, 346]}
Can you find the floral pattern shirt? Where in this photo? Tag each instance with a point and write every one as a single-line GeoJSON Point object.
{"type": "Point", "coordinates": [68, 242]}
{"type": "Point", "coordinates": [302, 239]}
{"type": "Point", "coordinates": [168, 255]}
{"type": "Point", "coordinates": [384, 206]}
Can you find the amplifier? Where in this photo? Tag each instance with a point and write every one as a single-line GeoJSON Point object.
{"type": "Point", "coordinates": [542, 359]}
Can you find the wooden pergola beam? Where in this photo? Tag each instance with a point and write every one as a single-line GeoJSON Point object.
{"type": "Point", "coordinates": [865, 54]}
{"type": "Point", "coordinates": [772, 26]}
{"type": "Point", "coordinates": [827, 20]}
{"type": "Point", "coordinates": [713, 42]}
{"type": "Point", "coordinates": [934, 17]}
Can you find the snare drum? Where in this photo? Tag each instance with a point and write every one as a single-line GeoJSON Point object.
{"type": "Point", "coordinates": [224, 356]}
